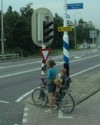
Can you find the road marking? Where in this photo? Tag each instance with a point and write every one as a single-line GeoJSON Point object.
{"type": "Point", "coordinates": [21, 64]}
{"type": "Point", "coordinates": [84, 58]}
{"type": "Point", "coordinates": [23, 96]}
{"type": "Point", "coordinates": [18, 73]}
{"type": "Point", "coordinates": [24, 120]}
{"type": "Point", "coordinates": [3, 101]}
{"type": "Point", "coordinates": [77, 57]}
{"type": "Point", "coordinates": [58, 62]}
{"type": "Point", "coordinates": [85, 70]}
{"type": "Point", "coordinates": [25, 109]}
{"type": "Point", "coordinates": [60, 115]}
{"type": "Point", "coordinates": [25, 114]}
{"type": "Point", "coordinates": [1, 67]}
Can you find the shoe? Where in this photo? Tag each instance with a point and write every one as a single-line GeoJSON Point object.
{"type": "Point", "coordinates": [48, 111]}
{"type": "Point", "coordinates": [56, 107]}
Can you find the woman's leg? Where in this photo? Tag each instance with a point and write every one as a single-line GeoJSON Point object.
{"type": "Point", "coordinates": [50, 96]}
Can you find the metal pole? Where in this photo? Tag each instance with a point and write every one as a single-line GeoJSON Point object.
{"type": "Point", "coordinates": [2, 31]}
{"type": "Point", "coordinates": [43, 68]}
{"type": "Point", "coordinates": [66, 42]}
{"type": "Point", "coordinates": [75, 31]}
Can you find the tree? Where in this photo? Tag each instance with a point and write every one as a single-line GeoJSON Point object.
{"type": "Point", "coordinates": [10, 19]}
{"type": "Point", "coordinates": [22, 31]}
{"type": "Point", "coordinates": [25, 20]}
{"type": "Point", "coordinates": [58, 21]}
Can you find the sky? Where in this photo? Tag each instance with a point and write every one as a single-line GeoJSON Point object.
{"type": "Point", "coordinates": [90, 11]}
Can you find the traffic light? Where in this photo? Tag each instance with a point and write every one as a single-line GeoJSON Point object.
{"type": "Point", "coordinates": [48, 31]}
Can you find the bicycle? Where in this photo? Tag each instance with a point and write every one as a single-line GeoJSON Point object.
{"type": "Point", "coordinates": [64, 100]}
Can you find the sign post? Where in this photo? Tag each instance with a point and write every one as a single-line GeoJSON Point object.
{"type": "Point", "coordinates": [65, 36]}
{"type": "Point", "coordinates": [66, 42]}
{"type": "Point", "coordinates": [93, 34]}
{"type": "Point", "coordinates": [71, 7]}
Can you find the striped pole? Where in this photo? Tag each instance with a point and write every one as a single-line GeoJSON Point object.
{"type": "Point", "coordinates": [43, 65]}
{"type": "Point", "coordinates": [66, 42]}
{"type": "Point", "coordinates": [42, 68]}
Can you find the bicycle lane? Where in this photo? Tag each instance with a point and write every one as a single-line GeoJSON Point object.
{"type": "Point", "coordinates": [83, 86]}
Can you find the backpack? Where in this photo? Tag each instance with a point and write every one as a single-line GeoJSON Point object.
{"type": "Point", "coordinates": [66, 82]}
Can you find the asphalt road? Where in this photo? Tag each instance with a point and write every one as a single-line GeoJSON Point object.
{"type": "Point", "coordinates": [18, 78]}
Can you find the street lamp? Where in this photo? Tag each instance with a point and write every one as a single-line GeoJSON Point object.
{"type": "Point", "coordinates": [75, 28]}
{"type": "Point", "coordinates": [2, 31]}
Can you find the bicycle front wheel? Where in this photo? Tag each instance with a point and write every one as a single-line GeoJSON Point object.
{"type": "Point", "coordinates": [39, 97]}
{"type": "Point", "coordinates": [67, 103]}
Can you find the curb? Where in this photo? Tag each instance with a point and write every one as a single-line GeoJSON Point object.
{"type": "Point", "coordinates": [81, 100]}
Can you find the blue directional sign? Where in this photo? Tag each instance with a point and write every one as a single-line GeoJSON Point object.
{"type": "Point", "coordinates": [75, 6]}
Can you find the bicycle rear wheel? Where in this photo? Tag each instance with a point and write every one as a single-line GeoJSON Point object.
{"type": "Point", "coordinates": [67, 103]}
{"type": "Point", "coordinates": [39, 97]}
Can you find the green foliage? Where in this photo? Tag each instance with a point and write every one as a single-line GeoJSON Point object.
{"type": "Point", "coordinates": [17, 31]}
{"type": "Point", "coordinates": [83, 31]}
{"type": "Point", "coordinates": [58, 21]}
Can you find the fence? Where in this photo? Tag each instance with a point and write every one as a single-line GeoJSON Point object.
{"type": "Point", "coordinates": [10, 56]}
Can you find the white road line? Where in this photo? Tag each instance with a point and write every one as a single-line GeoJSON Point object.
{"type": "Point", "coordinates": [25, 109]}
{"type": "Point", "coordinates": [21, 64]}
{"type": "Point", "coordinates": [24, 120]}
{"type": "Point", "coordinates": [60, 115]}
{"type": "Point", "coordinates": [25, 114]}
{"type": "Point", "coordinates": [1, 67]}
{"type": "Point", "coordinates": [85, 70]}
{"type": "Point", "coordinates": [85, 58]}
{"type": "Point", "coordinates": [18, 73]}
{"type": "Point", "coordinates": [23, 96]}
{"type": "Point", "coordinates": [4, 102]}
{"type": "Point", "coordinates": [77, 57]}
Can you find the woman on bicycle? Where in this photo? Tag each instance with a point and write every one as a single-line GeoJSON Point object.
{"type": "Point", "coordinates": [51, 75]}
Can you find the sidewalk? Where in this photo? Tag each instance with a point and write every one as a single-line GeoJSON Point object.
{"type": "Point", "coordinates": [83, 86]}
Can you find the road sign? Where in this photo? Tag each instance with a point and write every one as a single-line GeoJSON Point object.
{"type": "Point", "coordinates": [38, 17]}
{"type": "Point", "coordinates": [62, 29]}
{"type": "Point", "coordinates": [75, 6]}
{"type": "Point", "coordinates": [45, 53]}
{"type": "Point", "coordinates": [93, 33]}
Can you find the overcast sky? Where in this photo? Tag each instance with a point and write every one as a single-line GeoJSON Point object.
{"type": "Point", "coordinates": [90, 12]}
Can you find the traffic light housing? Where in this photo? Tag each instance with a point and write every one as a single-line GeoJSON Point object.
{"type": "Point", "coordinates": [48, 31]}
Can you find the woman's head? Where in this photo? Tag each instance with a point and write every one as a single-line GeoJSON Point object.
{"type": "Point", "coordinates": [50, 63]}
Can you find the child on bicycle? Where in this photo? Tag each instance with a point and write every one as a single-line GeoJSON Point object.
{"type": "Point", "coordinates": [63, 82]}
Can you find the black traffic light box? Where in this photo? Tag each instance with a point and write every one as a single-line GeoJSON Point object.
{"type": "Point", "coordinates": [48, 31]}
